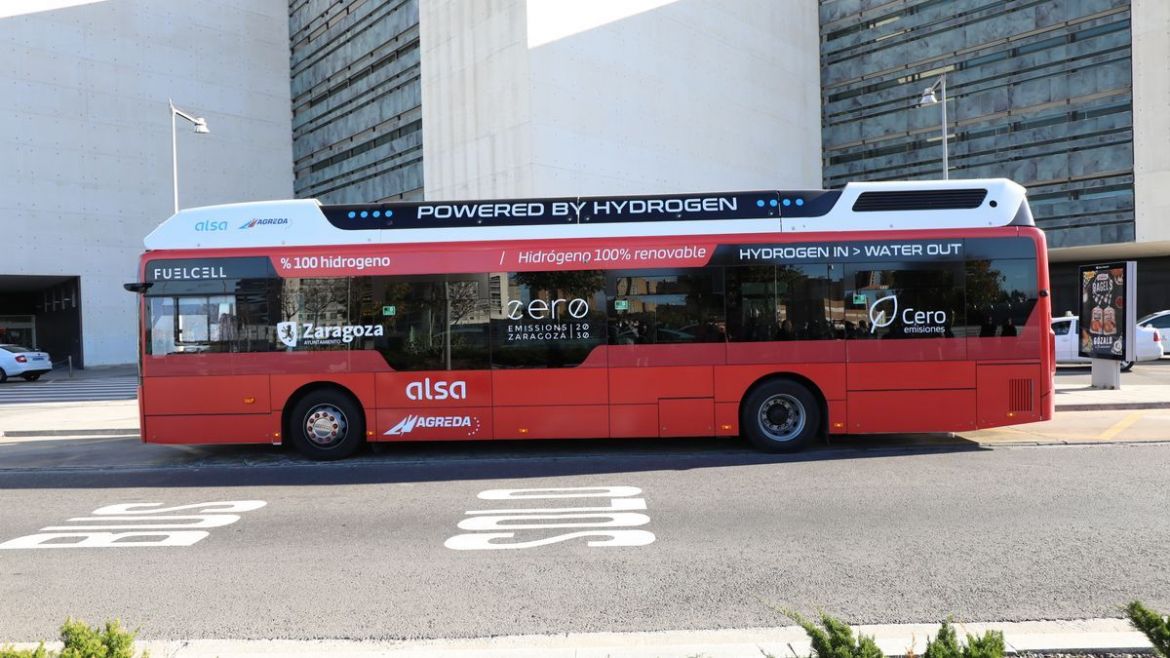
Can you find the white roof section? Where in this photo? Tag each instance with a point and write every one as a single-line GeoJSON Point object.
{"type": "Point", "coordinates": [878, 206]}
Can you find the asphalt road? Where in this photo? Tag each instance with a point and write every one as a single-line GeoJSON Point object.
{"type": "Point", "coordinates": [368, 549]}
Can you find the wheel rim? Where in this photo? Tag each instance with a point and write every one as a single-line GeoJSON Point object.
{"type": "Point", "coordinates": [325, 425]}
{"type": "Point", "coordinates": [782, 417]}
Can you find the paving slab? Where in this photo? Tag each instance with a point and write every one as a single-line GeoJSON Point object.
{"type": "Point", "coordinates": [1071, 636]}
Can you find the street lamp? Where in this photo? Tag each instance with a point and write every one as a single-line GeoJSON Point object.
{"type": "Point", "coordinates": [200, 128]}
{"type": "Point", "coordinates": [928, 98]}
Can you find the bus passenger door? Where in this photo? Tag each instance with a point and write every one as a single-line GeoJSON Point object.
{"type": "Point", "coordinates": [438, 344]}
{"type": "Point", "coordinates": [667, 334]}
{"type": "Point", "coordinates": [548, 356]}
{"type": "Point", "coordinates": [907, 367]}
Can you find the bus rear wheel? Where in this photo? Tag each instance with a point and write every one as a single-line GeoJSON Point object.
{"type": "Point", "coordinates": [780, 416]}
{"type": "Point", "coordinates": [326, 425]}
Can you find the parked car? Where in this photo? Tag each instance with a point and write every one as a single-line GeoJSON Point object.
{"type": "Point", "coordinates": [1159, 321]}
{"type": "Point", "coordinates": [1149, 343]}
{"type": "Point", "coordinates": [17, 360]}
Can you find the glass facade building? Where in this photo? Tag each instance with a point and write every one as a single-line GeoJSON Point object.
{"type": "Point", "coordinates": [356, 100]}
{"type": "Point", "coordinates": [1039, 92]}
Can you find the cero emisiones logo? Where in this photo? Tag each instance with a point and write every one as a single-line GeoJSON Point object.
{"type": "Point", "coordinates": [878, 317]}
{"type": "Point", "coordinates": [884, 311]}
{"type": "Point", "coordinates": [308, 333]}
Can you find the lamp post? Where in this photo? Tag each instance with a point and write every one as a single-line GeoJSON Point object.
{"type": "Point", "coordinates": [928, 98]}
{"type": "Point", "coordinates": [200, 128]}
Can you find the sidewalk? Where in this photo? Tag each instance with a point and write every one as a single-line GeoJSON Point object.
{"type": "Point", "coordinates": [1073, 636]}
{"type": "Point", "coordinates": [1075, 397]}
{"type": "Point", "coordinates": [93, 372]}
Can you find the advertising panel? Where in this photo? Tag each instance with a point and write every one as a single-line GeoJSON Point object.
{"type": "Point", "coordinates": [1107, 314]}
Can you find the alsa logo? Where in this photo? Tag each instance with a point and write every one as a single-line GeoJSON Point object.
{"type": "Point", "coordinates": [211, 226]}
{"type": "Point", "coordinates": [293, 333]}
{"type": "Point", "coordinates": [440, 390]}
{"type": "Point", "coordinates": [411, 422]}
{"type": "Point", "coordinates": [264, 221]}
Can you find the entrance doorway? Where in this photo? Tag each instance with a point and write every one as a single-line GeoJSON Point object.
{"type": "Point", "coordinates": [44, 313]}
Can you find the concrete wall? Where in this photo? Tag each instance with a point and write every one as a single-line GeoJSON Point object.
{"type": "Point", "coordinates": [555, 97]}
{"type": "Point", "coordinates": [1151, 120]}
{"type": "Point", "coordinates": [86, 133]}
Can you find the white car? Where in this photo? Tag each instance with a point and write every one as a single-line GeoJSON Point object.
{"type": "Point", "coordinates": [17, 360]}
{"type": "Point", "coordinates": [1159, 321]}
{"type": "Point", "coordinates": [1149, 343]}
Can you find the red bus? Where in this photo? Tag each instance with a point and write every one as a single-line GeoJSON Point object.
{"type": "Point", "coordinates": [780, 316]}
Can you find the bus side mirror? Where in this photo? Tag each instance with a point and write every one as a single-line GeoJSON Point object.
{"type": "Point", "coordinates": [137, 287]}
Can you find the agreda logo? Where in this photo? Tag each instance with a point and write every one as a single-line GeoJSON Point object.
{"type": "Point", "coordinates": [264, 221]}
{"type": "Point", "coordinates": [470, 424]}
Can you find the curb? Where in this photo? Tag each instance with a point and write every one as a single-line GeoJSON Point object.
{"type": "Point", "coordinates": [1072, 636]}
{"type": "Point", "coordinates": [1038, 443]}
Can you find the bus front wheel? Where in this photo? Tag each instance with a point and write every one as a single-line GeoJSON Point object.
{"type": "Point", "coordinates": [780, 416]}
{"type": "Point", "coordinates": [327, 424]}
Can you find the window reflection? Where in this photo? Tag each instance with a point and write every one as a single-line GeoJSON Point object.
{"type": "Point", "coordinates": [681, 306]}
{"type": "Point", "coordinates": [797, 302]}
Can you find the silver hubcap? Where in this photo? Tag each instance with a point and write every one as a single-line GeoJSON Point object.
{"type": "Point", "coordinates": [325, 425]}
{"type": "Point", "coordinates": [782, 417]}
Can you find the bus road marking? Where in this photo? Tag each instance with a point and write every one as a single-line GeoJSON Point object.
{"type": "Point", "coordinates": [1121, 425]}
{"type": "Point", "coordinates": [140, 524]}
{"type": "Point", "coordinates": [603, 526]}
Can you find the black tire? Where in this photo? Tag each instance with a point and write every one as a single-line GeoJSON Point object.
{"type": "Point", "coordinates": [32, 377]}
{"type": "Point", "coordinates": [1126, 366]}
{"type": "Point", "coordinates": [326, 425]}
{"type": "Point", "coordinates": [780, 416]}
{"type": "Point", "coordinates": [3, 376]}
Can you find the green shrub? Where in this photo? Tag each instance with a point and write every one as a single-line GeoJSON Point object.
{"type": "Point", "coordinates": [836, 640]}
{"type": "Point", "coordinates": [39, 652]}
{"type": "Point", "coordinates": [946, 644]}
{"type": "Point", "coordinates": [81, 641]}
{"type": "Point", "coordinates": [1152, 624]}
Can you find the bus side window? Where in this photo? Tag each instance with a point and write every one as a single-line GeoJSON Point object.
{"type": "Point", "coordinates": [431, 322]}
{"type": "Point", "coordinates": [1001, 294]}
{"type": "Point", "coordinates": [792, 302]}
{"type": "Point", "coordinates": [667, 306]}
{"type": "Point", "coordinates": [546, 319]}
{"type": "Point", "coordinates": [192, 323]}
{"type": "Point", "coordinates": [907, 299]}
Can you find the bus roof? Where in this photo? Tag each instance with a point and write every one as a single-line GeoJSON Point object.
{"type": "Point", "coordinates": [880, 206]}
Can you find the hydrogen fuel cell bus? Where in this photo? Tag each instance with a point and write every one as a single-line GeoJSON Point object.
{"type": "Point", "coordinates": [779, 316]}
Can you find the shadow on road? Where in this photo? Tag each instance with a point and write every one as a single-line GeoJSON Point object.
{"type": "Point", "coordinates": [124, 462]}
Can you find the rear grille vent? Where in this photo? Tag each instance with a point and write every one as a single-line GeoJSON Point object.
{"type": "Point", "coordinates": [1019, 395]}
{"type": "Point", "coordinates": [919, 200]}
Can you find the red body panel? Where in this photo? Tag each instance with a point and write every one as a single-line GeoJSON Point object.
{"type": "Point", "coordinates": [911, 411]}
{"type": "Point", "coordinates": [869, 386]}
